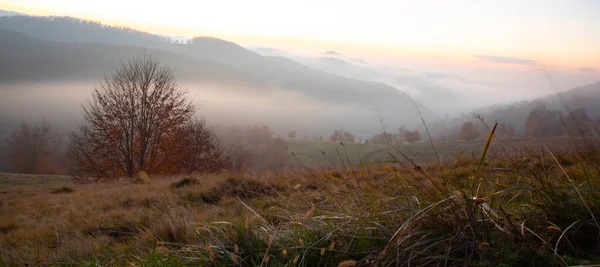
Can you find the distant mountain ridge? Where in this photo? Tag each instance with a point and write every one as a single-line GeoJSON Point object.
{"type": "Point", "coordinates": [28, 59]}
{"type": "Point", "coordinates": [422, 87]}
{"type": "Point", "coordinates": [5, 13]}
{"type": "Point", "coordinates": [270, 71]}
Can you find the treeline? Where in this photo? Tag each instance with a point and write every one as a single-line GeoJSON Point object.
{"type": "Point", "coordinates": [40, 149]}
{"type": "Point", "coordinates": [75, 30]}
{"type": "Point", "coordinates": [585, 97]}
{"type": "Point", "coordinates": [540, 122]}
{"type": "Point", "coordinates": [402, 135]}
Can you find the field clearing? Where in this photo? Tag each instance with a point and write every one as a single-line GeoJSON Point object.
{"type": "Point", "coordinates": [324, 154]}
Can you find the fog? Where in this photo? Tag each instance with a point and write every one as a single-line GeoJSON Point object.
{"type": "Point", "coordinates": [312, 93]}
{"type": "Point", "coordinates": [450, 86]}
{"type": "Point", "coordinates": [60, 103]}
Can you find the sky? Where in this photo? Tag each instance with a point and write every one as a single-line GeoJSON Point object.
{"type": "Point", "coordinates": [557, 33]}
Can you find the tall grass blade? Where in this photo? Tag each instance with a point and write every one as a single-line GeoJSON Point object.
{"type": "Point", "coordinates": [562, 235]}
{"type": "Point", "coordinates": [485, 150]}
{"type": "Point", "coordinates": [574, 187]}
{"type": "Point", "coordinates": [405, 225]}
{"type": "Point", "coordinates": [341, 159]}
{"type": "Point", "coordinates": [429, 136]}
{"type": "Point", "coordinates": [349, 162]}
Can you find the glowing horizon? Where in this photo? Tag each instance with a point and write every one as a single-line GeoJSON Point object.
{"type": "Point", "coordinates": [549, 33]}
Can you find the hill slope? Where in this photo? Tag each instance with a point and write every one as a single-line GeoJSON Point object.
{"type": "Point", "coordinates": [277, 72]}
{"type": "Point", "coordinates": [28, 59]}
{"type": "Point", "coordinates": [587, 97]}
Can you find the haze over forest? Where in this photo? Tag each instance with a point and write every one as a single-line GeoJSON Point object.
{"type": "Point", "coordinates": [50, 65]}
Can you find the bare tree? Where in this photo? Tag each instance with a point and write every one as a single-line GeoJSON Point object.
{"type": "Point", "coordinates": [31, 148]}
{"type": "Point", "coordinates": [131, 122]}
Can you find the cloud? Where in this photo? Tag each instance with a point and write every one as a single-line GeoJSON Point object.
{"type": "Point", "coordinates": [587, 69]}
{"type": "Point", "coordinates": [506, 60]}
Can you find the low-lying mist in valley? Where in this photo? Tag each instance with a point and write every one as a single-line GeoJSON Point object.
{"type": "Point", "coordinates": [449, 86]}
{"type": "Point", "coordinates": [60, 103]}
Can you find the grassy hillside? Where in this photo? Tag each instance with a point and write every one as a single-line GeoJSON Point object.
{"type": "Point", "coordinates": [524, 209]}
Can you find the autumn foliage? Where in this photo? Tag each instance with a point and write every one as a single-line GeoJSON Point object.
{"type": "Point", "coordinates": [411, 136]}
{"type": "Point", "coordinates": [139, 120]}
{"type": "Point", "coordinates": [342, 136]}
{"type": "Point", "coordinates": [578, 123]}
{"type": "Point", "coordinates": [254, 148]}
{"type": "Point", "coordinates": [505, 130]}
{"type": "Point", "coordinates": [193, 148]}
{"type": "Point", "coordinates": [384, 138]}
{"type": "Point", "coordinates": [468, 131]}
{"type": "Point", "coordinates": [544, 122]}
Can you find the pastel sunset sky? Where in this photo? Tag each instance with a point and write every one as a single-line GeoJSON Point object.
{"type": "Point", "coordinates": [552, 32]}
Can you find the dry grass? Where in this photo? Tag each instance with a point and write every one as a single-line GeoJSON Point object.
{"type": "Point", "coordinates": [527, 209]}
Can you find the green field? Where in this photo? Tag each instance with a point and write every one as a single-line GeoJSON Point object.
{"type": "Point", "coordinates": [325, 154]}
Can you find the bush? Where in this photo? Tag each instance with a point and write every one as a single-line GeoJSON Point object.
{"type": "Point", "coordinates": [62, 190]}
{"type": "Point", "coordinates": [187, 181]}
{"type": "Point", "coordinates": [468, 131]}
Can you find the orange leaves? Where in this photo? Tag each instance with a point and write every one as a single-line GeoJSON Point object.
{"type": "Point", "coordinates": [139, 119]}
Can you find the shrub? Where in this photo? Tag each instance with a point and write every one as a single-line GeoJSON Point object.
{"type": "Point", "coordinates": [468, 131]}
{"type": "Point", "coordinates": [62, 190]}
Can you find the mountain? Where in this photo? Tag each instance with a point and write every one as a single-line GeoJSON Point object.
{"type": "Point", "coordinates": [271, 71]}
{"type": "Point", "coordinates": [5, 13]}
{"type": "Point", "coordinates": [28, 59]}
{"type": "Point", "coordinates": [288, 74]}
{"type": "Point", "coordinates": [421, 87]}
{"type": "Point", "coordinates": [268, 51]}
{"type": "Point", "coordinates": [345, 68]}
{"type": "Point", "coordinates": [73, 30]}
{"type": "Point", "coordinates": [333, 54]}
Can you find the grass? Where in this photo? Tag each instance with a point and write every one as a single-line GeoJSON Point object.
{"type": "Point", "coordinates": [15, 182]}
{"type": "Point", "coordinates": [537, 206]}
{"type": "Point", "coordinates": [324, 154]}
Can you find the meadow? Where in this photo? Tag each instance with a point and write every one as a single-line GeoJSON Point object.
{"type": "Point", "coordinates": [487, 203]}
